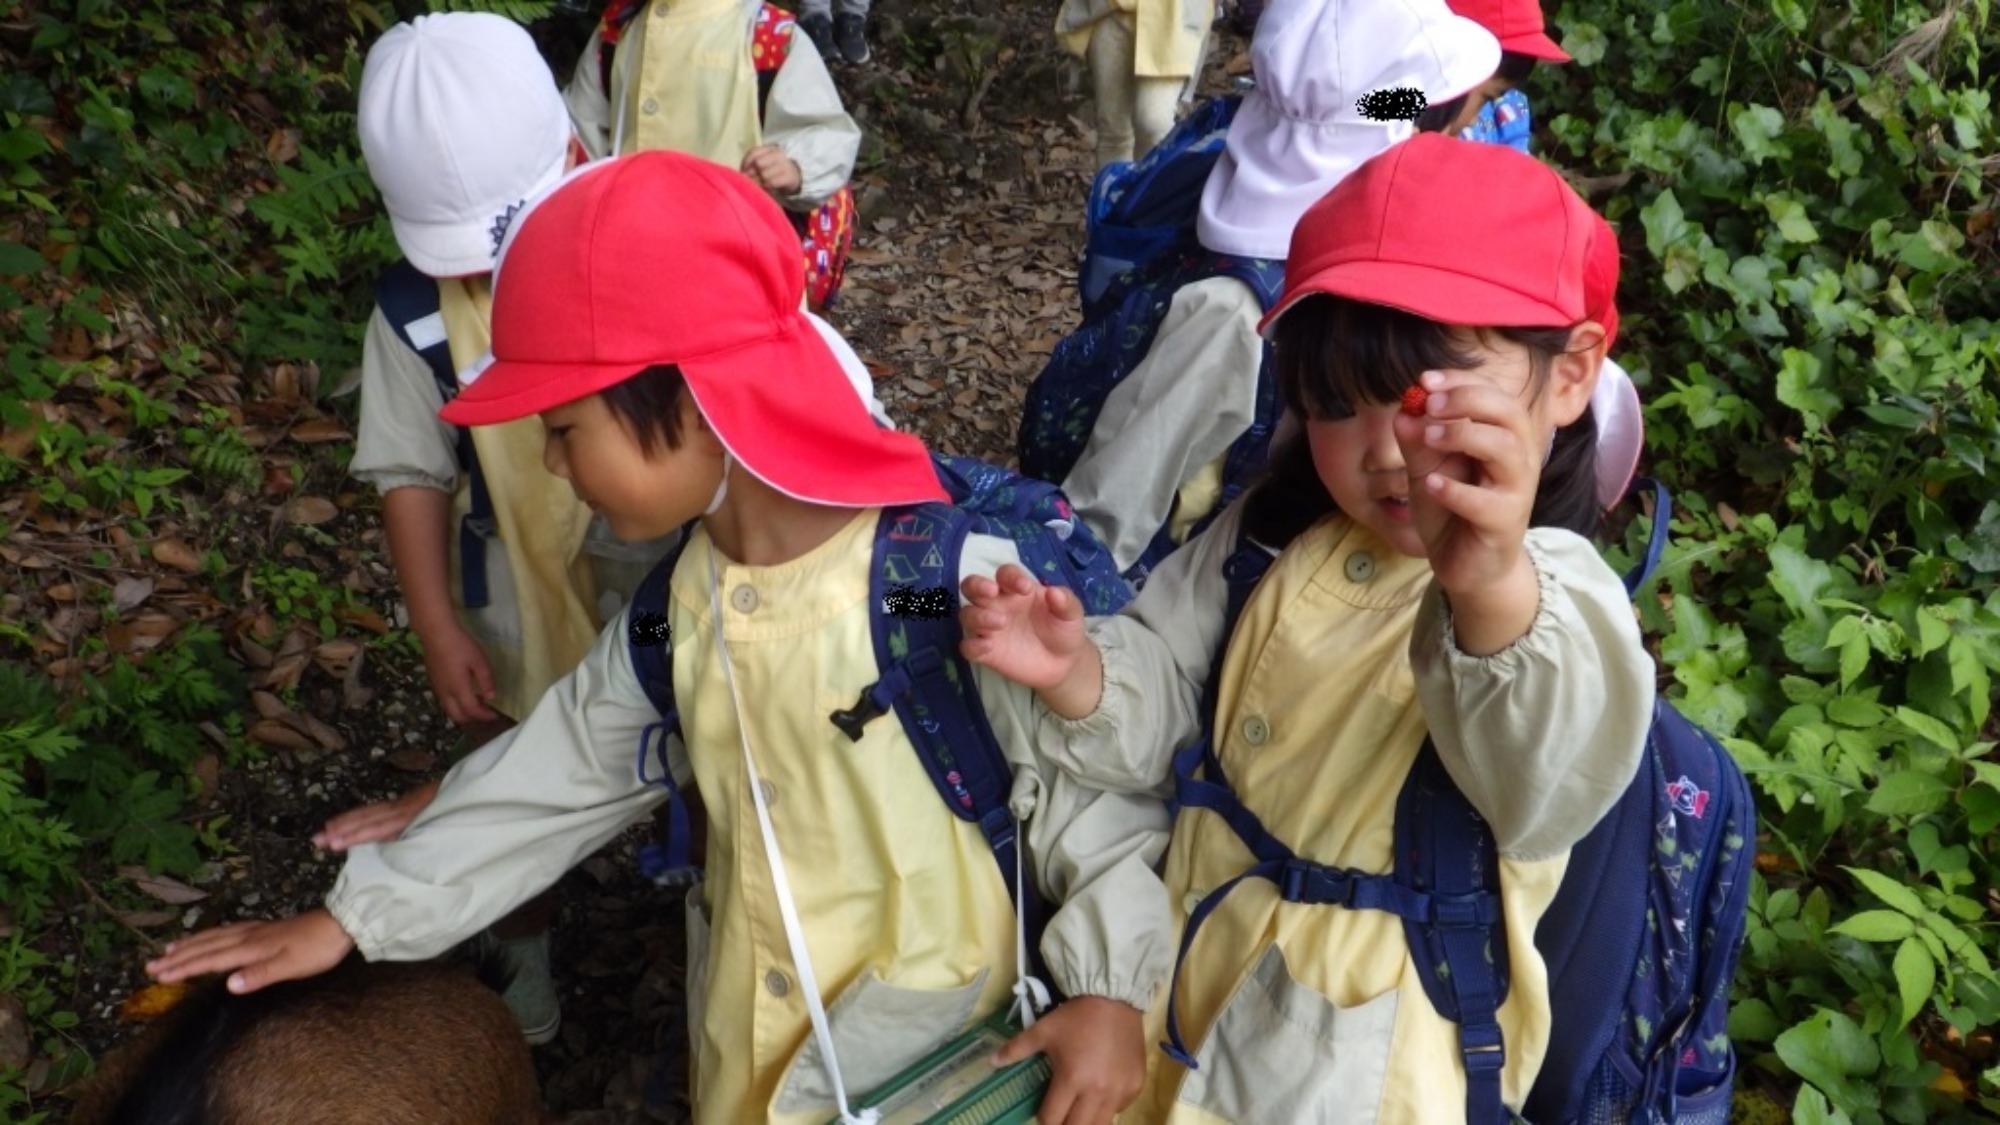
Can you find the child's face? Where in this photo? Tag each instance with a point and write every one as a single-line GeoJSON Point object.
{"type": "Point", "coordinates": [1368, 471]}
{"type": "Point", "coordinates": [642, 496]}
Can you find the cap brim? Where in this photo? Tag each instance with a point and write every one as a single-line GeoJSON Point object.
{"type": "Point", "coordinates": [782, 406]}
{"type": "Point", "coordinates": [461, 248]}
{"type": "Point", "coordinates": [1434, 294]}
{"type": "Point", "coordinates": [1535, 45]}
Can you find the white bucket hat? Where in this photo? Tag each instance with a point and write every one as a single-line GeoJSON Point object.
{"type": "Point", "coordinates": [1299, 132]}
{"type": "Point", "coordinates": [461, 122]}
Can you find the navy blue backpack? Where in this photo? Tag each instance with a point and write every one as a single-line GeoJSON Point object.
{"type": "Point", "coordinates": [924, 680]}
{"type": "Point", "coordinates": [409, 301]}
{"type": "Point", "coordinates": [1640, 941]}
{"type": "Point", "coordinates": [1139, 250]}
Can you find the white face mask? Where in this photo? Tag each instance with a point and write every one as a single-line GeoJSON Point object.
{"type": "Point", "coordinates": [721, 488]}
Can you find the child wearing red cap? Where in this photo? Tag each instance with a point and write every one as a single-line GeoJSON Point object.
{"type": "Point", "coordinates": [1432, 580]}
{"type": "Point", "coordinates": [1497, 112]}
{"type": "Point", "coordinates": [850, 923]}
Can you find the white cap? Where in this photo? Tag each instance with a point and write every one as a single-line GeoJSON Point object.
{"type": "Point", "coordinates": [1300, 132]}
{"type": "Point", "coordinates": [1621, 432]}
{"type": "Point", "coordinates": [461, 122]}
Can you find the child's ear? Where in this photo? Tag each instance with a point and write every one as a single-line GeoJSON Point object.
{"type": "Point", "coordinates": [1573, 372]}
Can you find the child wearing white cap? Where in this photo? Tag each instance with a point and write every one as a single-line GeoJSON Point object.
{"type": "Point", "coordinates": [1155, 451]}
{"type": "Point", "coordinates": [731, 81]}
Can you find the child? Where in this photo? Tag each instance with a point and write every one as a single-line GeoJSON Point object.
{"type": "Point", "coordinates": [849, 916]}
{"type": "Point", "coordinates": [731, 81]}
{"type": "Point", "coordinates": [1155, 451]}
{"type": "Point", "coordinates": [1431, 580]}
{"type": "Point", "coordinates": [844, 32]}
{"type": "Point", "coordinates": [460, 122]}
{"type": "Point", "coordinates": [1143, 55]}
{"type": "Point", "coordinates": [1497, 112]}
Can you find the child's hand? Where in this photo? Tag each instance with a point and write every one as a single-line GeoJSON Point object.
{"type": "Point", "coordinates": [772, 170]}
{"type": "Point", "coordinates": [1097, 1049]}
{"type": "Point", "coordinates": [370, 824]}
{"type": "Point", "coordinates": [1476, 462]}
{"type": "Point", "coordinates": [257, 953]}
{"type": "Point", "coordinates": [1031, 634]}
{"type": "Point", "coordinates": [460, 676]}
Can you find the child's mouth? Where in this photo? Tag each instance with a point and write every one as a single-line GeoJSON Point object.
{"type": "Point", "coordinates": [1396, 508]}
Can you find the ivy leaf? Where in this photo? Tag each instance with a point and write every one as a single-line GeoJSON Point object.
{"type": "Point", "coordinates": [1790, 215]}
{"type": "Point", "coordinates": [1909, 793]}
{"type": "Point", "coordinates": [1876, 925]}
{"type": "Point", "coordinates": [1830, 1052]}
{"type": "Point", "coordinates": [1799, 388]}
{"type": "Point", "coordinates": [1755, 127]}
{"type": "Point", "coordinates": [1665, 223]}
{"type": "Point", "coordinates": [1982, 544]}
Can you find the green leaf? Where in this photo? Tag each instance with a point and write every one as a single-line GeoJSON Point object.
{"type": "Point", "coordinates": [1875, 925]}
{"type": "Point", "coordinates": [1799, 388]}
{"type": "Point", "coordinates": [1888, 890]}
{"type": "Point", "coordinates": [1790, 216]}
{"type": "Point", "coordinates": [1928, 728]}
{"type": "Point", "coordinates": [16, 259]}
{"type": "Point", "coordinates": [1799, 578]}
{"type": "Point", "coordinates": [1912, 792]}
{"type": "Point", "coordinates": [1981, 550]}
{"type": "Point", "coordinates": [1812, 1108]}
{"type": "Point", "coordinates": [1831, 1052]}
{"type": "Point", "coordinates": [1754, 1020]}
{"type": "Point", "coordinates": [1585, 43]}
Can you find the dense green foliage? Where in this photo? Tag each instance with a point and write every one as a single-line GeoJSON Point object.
{"type": "Point", "coordinates": [1813, 279]}
{"type": "Point", "coordinates": [1806, 197]}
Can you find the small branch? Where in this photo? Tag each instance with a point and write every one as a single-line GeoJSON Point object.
{"type": "Point", "coordinates": [152, 942]}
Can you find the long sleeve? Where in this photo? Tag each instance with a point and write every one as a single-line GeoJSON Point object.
{"type": "Point", "coordinates": [1180, 407]}
{"type": "Point", "coordinates": [1093, 853]}
{"type": "Point", "coordinates": [401, 441]}
{"type": "Point", "coordinates": [510, 818]}
{"type": "Point", "coordinates": [803, 116]}
{"type": "Point", "coordinates": [1545, 735]}
{"type": "Point", "coordinates": [1156, 655]}
{"type": "Point", "coordinates": [589, 107]}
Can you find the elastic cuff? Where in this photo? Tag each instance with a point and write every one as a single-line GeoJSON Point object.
{"type": "Point", "coordinates": [1545, 620]}
{"type": "Point", "coordinates": [387, 482]}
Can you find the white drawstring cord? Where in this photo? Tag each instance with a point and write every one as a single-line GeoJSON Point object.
{"type": "Point", "coordinates": [1030, 994]}
{"type": "Point", "coordinates": [787, 908]}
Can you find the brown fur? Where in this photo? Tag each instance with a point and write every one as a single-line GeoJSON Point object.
{"type": "Point", "coordinates": [384, 1044]}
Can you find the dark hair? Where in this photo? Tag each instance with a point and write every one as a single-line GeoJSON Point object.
{"type": "Point", "coordinates": [1434, 118]}
{"type": "Point", "coordinates": [1515, 67]}
{"type": "Point", "coordinates": [1331, 352]}
{"type": "Point", "coordinates": [648, 405]}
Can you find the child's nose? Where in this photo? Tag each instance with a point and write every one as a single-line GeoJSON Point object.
{"type": "Point", "coordinates": [1381, 452]}
{"type": "Point", "coordinates": [552, 456]}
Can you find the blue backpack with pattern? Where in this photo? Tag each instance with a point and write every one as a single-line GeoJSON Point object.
{"type": "Point", "coordinates": [1640, 941]}
{"type": "Point", "coordinates": [923, 678]}
{"type": "Point", "coordinates": [1139, 250]}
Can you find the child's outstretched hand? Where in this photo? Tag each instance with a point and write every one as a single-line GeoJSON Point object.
{"type": "Point", "coordinates": [371, 824]}
{"type": "Point", "coordinates": [460, 676]}
{"type": "Point", "coordinates": [1032, 634]}
{"type": "Point", "coordinates": [1097, 1050]}
{"type": "Point", "coordinates": [1476, 462]}
{"type": "Point", "coordinates": [255, 954]}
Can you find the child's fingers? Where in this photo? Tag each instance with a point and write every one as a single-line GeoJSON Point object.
{"type": "Point", "coordinates": [1017, 581]}
{"type": "Point", "coordinates": [1062, 603]}
{"type": "Point", "coordinates": [979, 589]}
{"type": "Point", "coordinates": [1024, 1045]}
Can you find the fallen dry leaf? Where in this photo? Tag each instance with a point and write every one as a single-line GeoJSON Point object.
{"type": "Point", "coordinates": [273, 732]}
{"type": "Point", "coordinates": [62, 592]}
{"type": "Point", "coordinates": [315, 431]}
{"type": "Point", "coordinates": [173, 892]}
{"type": "Point", "coordinates": [130, 593]}
{"type": "Point", "coordinates": [268, 706]}
{"type": "Point", "coordinates": [16, 1047]}
{"type": "Point", "coordinates": [336, 656]}
{"type": "Point", "coordinates": [311, 510]}
{"type": "Point", "coordinates": [410, 759]}
{"type": "Point", "coordinates": [328, 738]}
{"type": "Point", "coordinates": [174, 553]}
{"type": "Point", "coordinates": [146, 919]}
{"type": "Point", "coordinates": [152, 1002]}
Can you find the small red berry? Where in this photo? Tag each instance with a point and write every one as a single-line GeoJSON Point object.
{"type": "Point", "coordinates": [1413, 400]}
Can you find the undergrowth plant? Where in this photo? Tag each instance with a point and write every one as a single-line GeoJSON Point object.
{"type": "Point", "coordinates": [1807, 200]}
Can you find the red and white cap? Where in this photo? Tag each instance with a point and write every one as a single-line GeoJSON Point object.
{"type": "Point", "coordinates": [461, 122]}
{"type": "Point", "coordinates": [663, 258]}
{"type": "Point", "coordinates": [1517, 24]}
{"type": "Point", "coordinates": [1472, 234]}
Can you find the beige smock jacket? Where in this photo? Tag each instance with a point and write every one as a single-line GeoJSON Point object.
{"type": "Point", "coordinates": [1341, 663]}
{"type": "Point", "coordinates": [1156, 448]}
{"type": "Point", "coordinates": [907, 919]}
{"type": "Point", "coordinates": [1167, 34]}
{"type": "Point", "coordinates": [803, 114]}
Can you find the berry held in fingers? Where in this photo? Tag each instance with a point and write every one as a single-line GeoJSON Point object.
{"type": "Point", "coordinates": [1414, 399]}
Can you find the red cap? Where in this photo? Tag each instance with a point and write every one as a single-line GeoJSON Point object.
{"type": "Point", "coordinates": [1454, 231]}
{"type": "Point", "coordinates": [1517, 24]}
{"type": "Point", "coordinates": [659, 257]}
{"type": "Point", "coordinates": [1600, 279]}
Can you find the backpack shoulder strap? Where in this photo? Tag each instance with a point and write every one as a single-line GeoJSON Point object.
{"type": "Point", "coordinates": [669, 861]}
{"type": "Point", "coordinates": [409, 301]}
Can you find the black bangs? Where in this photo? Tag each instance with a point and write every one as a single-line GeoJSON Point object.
{"type": "Point", "coordinates": [1333, 353]}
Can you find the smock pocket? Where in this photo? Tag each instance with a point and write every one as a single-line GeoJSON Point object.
{"type": "Point", "coordinates": [1282, 1052]}
{"type": "Point", "coordinates": [878, 1029]}
{"type": "Point", "coordinates": [697, 970]}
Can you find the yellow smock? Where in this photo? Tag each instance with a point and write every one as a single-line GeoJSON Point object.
{"type": "Point", "coordinates": [697, 86]}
